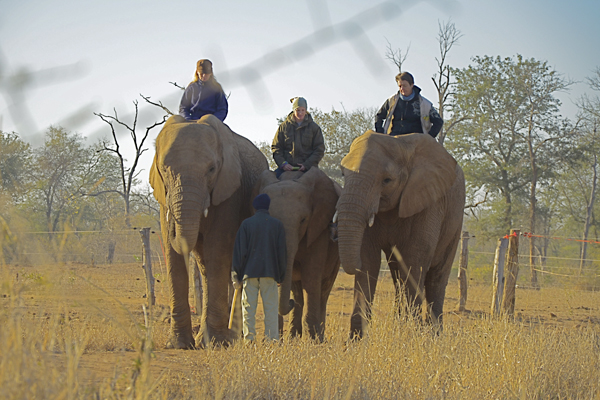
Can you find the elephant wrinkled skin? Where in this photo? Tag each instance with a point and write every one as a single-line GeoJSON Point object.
{"type": "Point", "coordinates": [403, 192]}
{"type": "Point", "coordinates": [203, 175]}
{"type": "Point", "coordinates": [305, 204]}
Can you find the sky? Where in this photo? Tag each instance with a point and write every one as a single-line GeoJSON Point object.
{"type": "Point", "coordinates": [61, 61]}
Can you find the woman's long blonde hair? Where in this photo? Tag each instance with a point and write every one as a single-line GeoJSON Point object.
{"type": "Point", "coordinates": [205, 66]}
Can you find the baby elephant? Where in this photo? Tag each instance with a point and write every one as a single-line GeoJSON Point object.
{"type": "Point", "coordinates": [305, 203]}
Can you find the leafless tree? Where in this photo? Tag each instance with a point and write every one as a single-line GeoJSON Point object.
{"type": "Point", "coordinates": [128, 174]}
{"type": "Point", "coordinates": [447, 37]}
{"type": "Point", "coordinates": [395, 55]}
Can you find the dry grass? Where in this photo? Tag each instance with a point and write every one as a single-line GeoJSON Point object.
{"type": "Point", "coordinates": [73, 331]}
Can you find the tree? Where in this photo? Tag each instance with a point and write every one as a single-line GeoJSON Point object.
{"type": "Point", "coordinates": [448, 36]}
{"type": "Point", "coordinates": [15, 160]}
{"type": "Point", "coordinates": [487, 145]}
{"type": "Point", "coordinates": [128, 175]}
{"type": "Point", "coordinates": [64, 171]}
{"type": "Point", "coordinates": [589, 116]}
{"type": "Point", "coordinates": [543, 129]}
{"type": "Point", "coordinates": [511, 132]}
{"type": "Point", "coordinates": [396, 56]}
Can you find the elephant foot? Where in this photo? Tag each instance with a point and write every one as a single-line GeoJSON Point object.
{"type": "Point", "coordinates": [203, 341]}
{"type": "Point", "coordinates": [180, 343]}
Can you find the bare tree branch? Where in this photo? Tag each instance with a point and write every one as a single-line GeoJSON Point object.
{"type": "Point", "coordinates": [447, 37]}
{"type": "Point", "coordinates": [159, 104]}
{"type": "Point", "coordinates": [177, 86]}
{"type": "Point", "coordinates": [395, 56]}
{"type": "Point", "coordinates": [128, 175]}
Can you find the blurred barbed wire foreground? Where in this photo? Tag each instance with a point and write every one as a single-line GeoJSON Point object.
{"type": "Point", "coordinates": [17, 85]}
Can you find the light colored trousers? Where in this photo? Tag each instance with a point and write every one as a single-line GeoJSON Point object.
{"type": "Point", "coordinates": [270, 299]}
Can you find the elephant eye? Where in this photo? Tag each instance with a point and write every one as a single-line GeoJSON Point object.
{"type": "Point", "coordinates": [386, 181]}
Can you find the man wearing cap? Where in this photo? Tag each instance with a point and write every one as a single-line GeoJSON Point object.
{"type": "Point", "coordinates": [259, 263]}
{"type": "Point", "coordinates": [298, 143]}
{"type": "Point", "coordinates": [408, 111]}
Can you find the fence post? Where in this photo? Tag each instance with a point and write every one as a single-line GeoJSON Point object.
{"type": "Point", "coordinates": [147, 265]}
{"type": "Point", "coordinates": [462, 270]}
{"type": "Point", "coordinates": [512, 272]}
{"type": "Point", "coordinates": [196, 281]}
{"type": "Point", "coordinates": [498, 277]}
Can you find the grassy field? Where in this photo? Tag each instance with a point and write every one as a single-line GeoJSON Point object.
{"type": "Point", "coordinates": [77, 331]}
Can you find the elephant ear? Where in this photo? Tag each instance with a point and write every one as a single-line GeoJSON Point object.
{"type": "Point", "coordinates": [324, 199]}
{"type": "Point", "coordinates": [230, 175]}
{"type": "Point", "coordinates": [156, 182]}
{"type": "Point", "coordinates": [432, 173]}
{"type": "Point", "coordinates": [353, 160]}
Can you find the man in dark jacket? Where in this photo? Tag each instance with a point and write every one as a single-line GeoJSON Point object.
{"type": "Point", "coordinates": [298, 143]}
{"type": "Point", "coordinates": [259, 263]}
{"type": "Point", "coordinates": [407, 111]}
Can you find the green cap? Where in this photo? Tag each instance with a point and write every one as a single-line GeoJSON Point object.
{"type": "Point", "coordinates": [298, 102]}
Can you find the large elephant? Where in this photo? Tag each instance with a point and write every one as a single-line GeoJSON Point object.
{"type": "Point", "coordinates": [203, 176]}
{"type": "Point", "coordinates": [305, 203]}
{"type": "Point", "coordinates": [405, 192]}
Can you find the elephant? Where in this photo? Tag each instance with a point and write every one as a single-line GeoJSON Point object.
{"type": "Point", "coordinates": [305, 204]}
{"type": "Point", "coordinates": [203, 175]}
{"type": "Point", "coordinates": [403, 193]}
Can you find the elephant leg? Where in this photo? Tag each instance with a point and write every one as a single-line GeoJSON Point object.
{"type": "Point", "coordinates": [296, 313]}
{"type": "Point", "coordinates": [215, 319]}
{"type": "Point", "coordinates": [181, 321]}
{"type": "Point", "coordinates": [365, 283]}
{"type": "Point", "coordinates": [311, 318]}
{"type": "Point", "coordinates": [394, 267]}
{"type": "Point", "coordinates": [331, 270]}
{"type": "Point", "coordinates": [436, 282]}
{"type": "Point", "coordinates": [326, 287]}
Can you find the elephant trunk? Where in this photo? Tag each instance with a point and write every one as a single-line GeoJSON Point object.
{"type": "Point", "coordinates": [187, 207]}
{"type": "Point", "coordinates": [285, 303]}
{"type": "Point", "coordinates": [353, 213]}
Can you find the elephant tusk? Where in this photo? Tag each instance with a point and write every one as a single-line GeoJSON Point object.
{"type": "Point", "coordinates": [167, 215]}
{"type": "Point", "coordinates": [205, 212]}
{"type": "Point", "coordinates": [335, 217]}
{"type": "Point", "coordinates": [371, 220]}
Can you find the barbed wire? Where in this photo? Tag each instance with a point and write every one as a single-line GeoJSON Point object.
{"type": "Point", "coordinates": [544, 257]}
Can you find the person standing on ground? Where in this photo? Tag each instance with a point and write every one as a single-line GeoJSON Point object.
{"type": "Point", "coordinates": [259, 263]}
{"type": "Point", "coordinates": [298, 143]}
{"type": "Point", "coordinates": [407, 111]}
{"type": "Point", "coordinates": [204, 95]}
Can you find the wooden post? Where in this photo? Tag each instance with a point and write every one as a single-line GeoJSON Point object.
{"type": "Point", "coordinates": [512, 272]}
{"type": "Point", "coordinates": [498, 277]}
{"type": "Point", "coordinates": [462, 270]}
{"type": "Point", "coordinates": [196, 281]}
{"type": "Point", "coordinates": [147, 265]}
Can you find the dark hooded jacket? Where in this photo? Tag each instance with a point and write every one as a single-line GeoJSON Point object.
{"type": "Point", "coordinates": [413, 116]}
{"type": "Point", "coordinates": [260, 249]}
{"type": "Point", "coordinates": [298, 144]}
{"type": "Point", "coordinates": [201, 98]}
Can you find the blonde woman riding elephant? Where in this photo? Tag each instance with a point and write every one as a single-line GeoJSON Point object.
{"type": "Point", "coordinates": [404, 192]}
{"type": "Point", "coordinates": [305, 204]}
{"type": "Point", "coordinates": [203, 175]}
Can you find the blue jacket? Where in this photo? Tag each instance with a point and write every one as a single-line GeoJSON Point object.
{"type": "Point", "coordinates": [201, 98]}
{"type": "Point", "coordinates": [260, 249]}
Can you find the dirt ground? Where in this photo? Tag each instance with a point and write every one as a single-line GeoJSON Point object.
{"type": "Point", "coordinates": [81, 288]}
